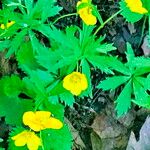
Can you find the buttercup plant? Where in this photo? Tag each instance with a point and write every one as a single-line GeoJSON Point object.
{"type": "Point", "coordinates": [59, 70]}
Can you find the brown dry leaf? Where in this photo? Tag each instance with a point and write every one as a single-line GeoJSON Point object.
{"type": "Point", "coordinates": [146, 46]}
{"type": "Point", "coordinates": [78, 143]}
{"type": "Point", "coordinates": [112, 134]}
{"type": "Point", "coordinates": [96, 141]}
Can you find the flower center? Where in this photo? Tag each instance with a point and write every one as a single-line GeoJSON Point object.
{"type": "Point", "coordinates": [75, 79]}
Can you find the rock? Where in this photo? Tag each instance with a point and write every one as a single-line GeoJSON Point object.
{"type": "Point", "coordinates": [144, 138]}
{"type": "Point", "coordinates": [146, 46]}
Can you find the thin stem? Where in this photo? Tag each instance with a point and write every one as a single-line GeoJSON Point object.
{"type": "Point", "coordinates": [110, 18]}
{"type": "Point", "coordinates": [149, 24]}
{"type": "Point", "coordinates": [149, 31]}
{"type": "Point", "coordinates": [42, 141]}
{"type": "Point", "coordinates": [61, 17]}
{"type": "Point", "coordinates": [143, 28]}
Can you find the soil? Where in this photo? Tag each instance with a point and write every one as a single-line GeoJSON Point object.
{"type": "Point", "coordinates": [94, 119]}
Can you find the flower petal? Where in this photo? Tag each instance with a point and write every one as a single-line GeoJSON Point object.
{"type": "Point", "coordinates": [75, 83]}
{"type": "Point", "coordinates": [136, 6]}
{"type": "Point", "coordinates": [34, 142]}
{"type": "Point", "coordinates": [53, 123]}
{"type": "Point", "coordinates": [28, 117]}
{"type": "Point", "coordinates": [20, 139]}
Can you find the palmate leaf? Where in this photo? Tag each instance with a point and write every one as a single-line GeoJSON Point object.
{"type": "Point", "coordinates": [111, 83]}
{"type": "Point", "coordinates": [123, 102]}
{"type": "Point", "coordinates": [62, 138]}
{"type": "Point", "coordinates": [128, 14]}
{"type": "Point", "coordinates": [44, 9]}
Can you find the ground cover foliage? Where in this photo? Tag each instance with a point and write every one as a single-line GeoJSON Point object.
{"type": "Point", "coordinates": [63, 69]}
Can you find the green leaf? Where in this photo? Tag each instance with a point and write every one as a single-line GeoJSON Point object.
{"type": "Point", "coordinates": [16, 42]}
{"type": "Point", "coordinates": [11, 86]}
{"type": "Point", "coordinates": [13, 115]}
{"type": "Point", "coordinates": [44, 9]}
{"type": "Point", "coordinates": [142, 71]}
{"type": "Point", "coordinates": [29, 5]}
{"type": "Point", "coordinates": [67, 98]}
{"type": "Point", "coordinates": [58, 89]}
{"type": "Point", "coordinates": [146, 4]}
{"type": "Point", "coordinates": [86, 70]}
{"type": "Point", "coordinates": [128, 14]}
{"type": "Point", "coordinates": [143, 103]}
{"type": "Point", "coordinates": [139, 90]}
{"type": "Point", "coordinates": [57, 110]}
{"type": "Point", "coordinates": [112, 83]}
{"type": "Point", "coordinates": [105, 48]}
{"type": "Point", "coordinates": [141, 62]}
{"type": "Point", "coordinates": [123, 102]}
{"type": "Point", "coordinates": [62, 138]}
{"type": "Point", "coordinates": [129, 54]}
{"type": "Point", "coordinates": [26, 57]}
{"type": "Point", "coordinates": [101, 62]}
{"type": "Point", "coordinates": [4, 44]}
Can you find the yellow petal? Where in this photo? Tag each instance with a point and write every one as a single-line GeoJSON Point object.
{"type": "Point", "coordinates": [28, 117]}
{"type": "Point", "coordinates": [43, 114]}
{"type": "Point", "coordinates": [87, 16]}
{"type": "Point", "coordinates": [53, 123]}
{"type": "Point", "coordinates": [76, 91]}
{"type": "Point", "coordinates": [75, 83]}
{"type": "Point", "coordinates": [40, 120]}
{"type": "Point", "coordinates": [34, 142]}
{"type": "Point", "coordinates": [136, 6]}
{"type": "Point", "coordinates": [9, 24]}
{"type": "Point", "coordinates": [84, 83]}
{"type": "Point", "coordinates": [20, 139]}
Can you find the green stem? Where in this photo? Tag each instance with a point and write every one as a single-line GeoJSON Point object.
{"type": "Point", "coordinates": [149, 24]}
{"type": "Point", "coordinates": [110, 18]}
{"type": "Point", "coordinates": [42, 141]}
{"type": "Point", "coordinates": [149, 31]}
{"type": "Point", "coordinates": [61, 17]}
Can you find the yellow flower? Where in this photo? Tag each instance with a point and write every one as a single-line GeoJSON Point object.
{"type": "Point", "coordinates": [9, 24]}
{"type": "Point", "coordinates": [75, 83]}
{"type": "Point", "coordinates": [85, 13]}
{"type": "Point", "coordinates": [136, 6]}
{"type": "Point", "coordinates": [41, 120]}
{"type": "Point", "coordinates": [29, 138]}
